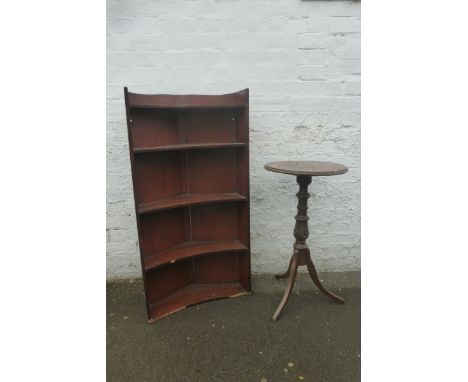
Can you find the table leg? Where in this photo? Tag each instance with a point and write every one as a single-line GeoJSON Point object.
{"type": "Point", "coordinates": [287, 273]}
{"type": "Point", "coordinates": [287, 293]}
{"type": "Point", "coordinates": [316, 280]}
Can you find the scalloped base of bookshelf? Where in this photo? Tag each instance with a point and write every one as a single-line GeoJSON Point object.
{"type": "Point", "coordinates": [194, 294]}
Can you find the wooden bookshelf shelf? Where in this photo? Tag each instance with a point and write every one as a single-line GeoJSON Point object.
{"type": "Point", "coordinates": [194, 294]}
{"type": "Point", "coordinates": [187, 200]}
{"type": "Point", "coordinates": [190, 169]}
{"type": "Point", "coordinates": [189, 146]}
{"type": "Point", "coordinates": [190, 101]}
{"type": "Point", "coordinates": [178, 107]}
{"type": "Point", "coordinates": [191, 249]}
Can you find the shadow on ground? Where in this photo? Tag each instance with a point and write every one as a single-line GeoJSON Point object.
{"type": "Point", "coordinates": [235, 340]}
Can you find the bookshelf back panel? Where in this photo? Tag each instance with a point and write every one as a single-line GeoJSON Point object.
{"type": "Point", "coordinates": [242, 172]}
{"type": "Point", "coordinates": [243, 221]}
{"type": "Point", "coordinates": [244, 270]}
{"type": "Point", "coordinates": [168, 279]}
{"type": "Point", "coordinates": [164, 230]}
{"type": "Point", "coordinates": [212, 170]}
{"type": "Point", "coordinates": [214, 126]}
{"type": "Point", "coordinates": [219, 268]}
{"type": "Point", "coordinates": [150, 127]}
{"type": "Point", "coordinates": [218, 221]}
{"type": "Point", "coordinates": [160, 175]}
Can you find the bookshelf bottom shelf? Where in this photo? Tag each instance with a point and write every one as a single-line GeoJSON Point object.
{"type": "Point", "coordinates": [194, 294]}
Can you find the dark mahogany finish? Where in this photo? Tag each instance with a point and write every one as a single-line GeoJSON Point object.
{"type": "Point", "coordinates": [311, 168]}
{"type": "Point", "coordinates": [190, 171]}
{"type": "Point", "coordinates": [304, 170]}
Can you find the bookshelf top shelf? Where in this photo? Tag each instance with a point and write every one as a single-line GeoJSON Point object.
{"type": "Point", "coordinates": [190, 101]}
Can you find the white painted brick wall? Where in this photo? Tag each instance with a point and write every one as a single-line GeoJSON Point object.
{"type": "Point", "coordinates": [301, 61]}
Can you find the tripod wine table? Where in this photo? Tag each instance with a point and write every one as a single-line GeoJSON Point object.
{"type": "Point", "coordinates": [304, 171]}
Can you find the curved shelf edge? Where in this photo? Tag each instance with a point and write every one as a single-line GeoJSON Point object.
{"type": "Point", "coordinates": [194, 294]}
{"type": "Point", "coordinates": [189, 146]}
{"type": "Point", "coordinates": [191, 249]}
{"type": "Point", "coordinates": [188, 200]}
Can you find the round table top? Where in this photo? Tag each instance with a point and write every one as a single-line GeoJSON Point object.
{"type": "Point", "coordinates": [312, 168]}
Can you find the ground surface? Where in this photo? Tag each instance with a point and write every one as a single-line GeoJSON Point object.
{"type": "Point", "coordinates": [235, 340]}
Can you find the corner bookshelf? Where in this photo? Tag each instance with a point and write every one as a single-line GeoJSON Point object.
{"type": "Point", "coordinates": [190, 170]}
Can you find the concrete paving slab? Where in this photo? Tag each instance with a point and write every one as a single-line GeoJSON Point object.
{"type": "Point", "coordinates": [235, 339]}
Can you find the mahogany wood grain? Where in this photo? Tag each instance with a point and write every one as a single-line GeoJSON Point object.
{"type": "Point", "coordinates": [219, 268]}
{"type": "Point", "coordinates": [164, 230]}
{"type": "Point", "coordinates": [192, 249]}
{"type": "Point", "coordinates": [215, 222]}
{"type": "Point", "coordinates": [204, 126]}
{"type": "Point", "coordinates": [212, 171]}
{"type": "Point", "coordinates": [194, 294]}
{"type": "Point", "coordinates": [243, 187]}
{"type": "Point", "coordinates": [166, 280]}
{"type": "Point", "coordinates": [188, 200]}
{"type": "Point", "coordinates": [134, 180]}
{"type": "Point", "coordinates": [154, 128]}
{"type": "Point", "coordinates": [188, 146]}
{"type": "Point", "coordinates": [159, 176]}
{"type": "Point", "coordinates": [311, 168]}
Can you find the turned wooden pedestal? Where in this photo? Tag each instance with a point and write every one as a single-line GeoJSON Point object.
{"type": "Point", "coordinates": [303, 170]}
